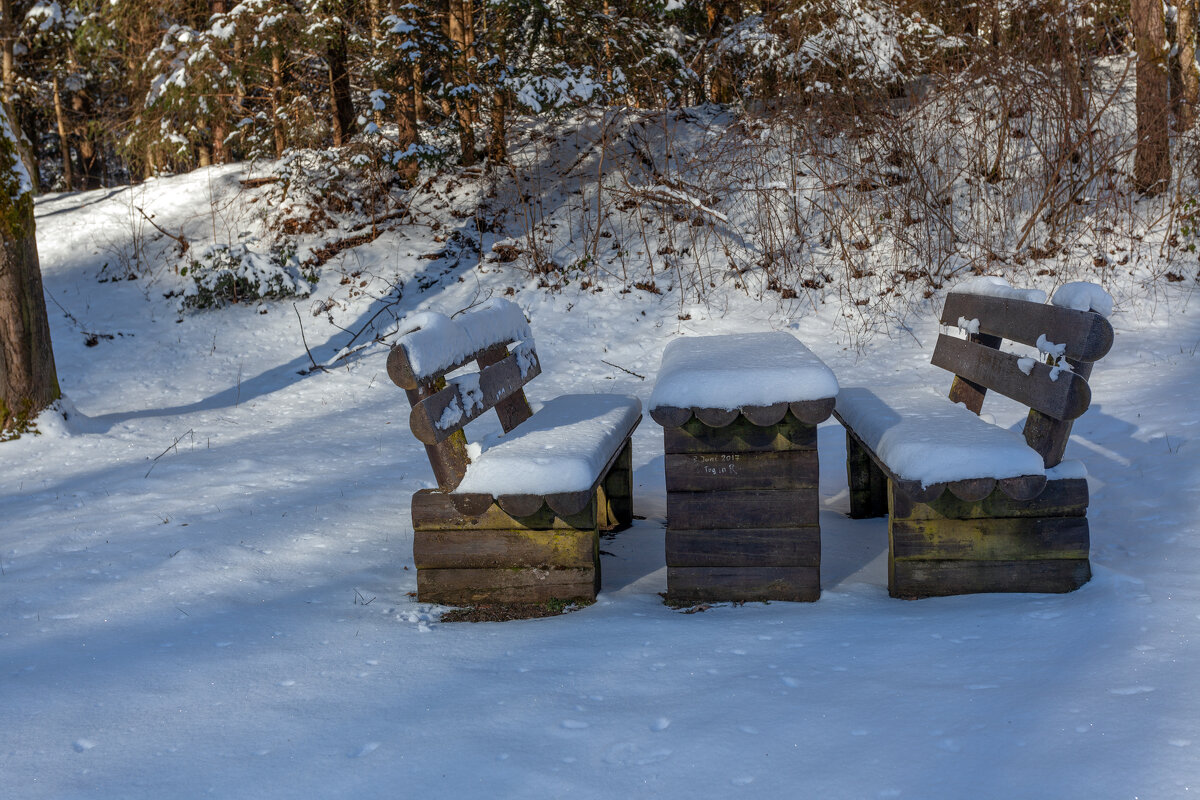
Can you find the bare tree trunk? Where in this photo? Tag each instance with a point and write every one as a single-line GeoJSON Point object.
{"type": "Point", "coordinates": [28, 380]}
{"type": "Point", "coordinates": [1152, 160]}
{"type": "Point", "coordinates": [277, 98]}
{"type": "Point", "coordinates": [1072, 75]}
{"type": "Point", "coordinates": [337, 58]}
{"type": "Point", "coordinates": [64, 143]}
{"type": "Point", "coordinates": [91, 159]}
{"type": "Point", "coordinates": [1189, 73]}
{"type": "Point", "coordinates": [407, 133]}
{"type": "Point", "coordinates": [462, 35]}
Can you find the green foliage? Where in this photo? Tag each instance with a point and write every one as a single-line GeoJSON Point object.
{"type": "Point", "coordinates": [225, 274]}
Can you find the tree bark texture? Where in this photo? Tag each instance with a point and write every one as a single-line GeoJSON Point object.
{"type": "Point", "coordinates": [462, 35]}
{"type": "Point", "coordinates": [1189, 73]}
{"type": "Point", "coordinates": [337, 58]}
{"type": "Point", "coordinates": [28, 381]}
{"type": "Point", "coordinates": [1152, 160]}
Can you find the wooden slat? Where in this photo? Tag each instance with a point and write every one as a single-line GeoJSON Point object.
{"type": "Point", "coordinates": [756, 547]}
{"type": "Point", "coordinates": [741, 436]}
{"type": "Point", "coordinates": [1060, 498]}
{"type": "Point", "coordinates": [434, 510]}
{"type": "Point", "coordinates": [618, 488]}
{"type": "Point", "coordinates": [743, 584]}
{"type": "Point", "coordinates": [496, 383]}
{"type": "Point", "coordinates": [787, 469]}
{"type": "Point", "coordinates": [448, 458]}
{"type": "Point", "coordinates": [914, 579]}
{"type": "Point", "coordinates": [484, 549]}
{"type": "Point", "coordinates": [516, 585]}
{"type": "Point", "coordinates": [741, 510]}
{"type": "Point", "coordinates": [1048, 436]}
{"type": "Point", "coordinates": [1064, 398]}
{"type": "Point", "coordinates": [969, 393]}
{"type": "Point", "coordinates": [1007, 539]}
{"type": "Point", "coordinates": [1087, 335]}
{"type": "Point", "coordinates": [400, 369]}
{"type": "Point", "coordinates": [513, 409]}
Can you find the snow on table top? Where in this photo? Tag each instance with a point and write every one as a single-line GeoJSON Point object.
{"type": "Point", "coordinates": [561, 448]}
{"type": "Point", "coordinates": [1084, 296]}
{"type": "Point", "coordinates": [738, 370]}
{"type": "Point", "coordinates": [434, 342]}
{"type": "Point", "coordinates": [994, 286]}
{"type": "Point", "coordinates": [922, 436]}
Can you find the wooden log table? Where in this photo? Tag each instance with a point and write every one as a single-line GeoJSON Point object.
{"type": "Point", "coordinates": [739, 415]}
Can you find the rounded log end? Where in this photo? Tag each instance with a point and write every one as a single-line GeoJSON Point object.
{"type": "Point", "coordinates": [470, 504]}
{"type": "Point", "coordinates": [568, 504]}
{"type": "Point", "coordinates": [716, 417]}
{"type": "Point", "coordinates": [813, 412]}
{"type": "Point", "coordinates": [972, 490]}
{"type": "Point", "coordinates": [520, 505]}
{"type": "Point", "coordinates": [1025, 487]}
{"type": "Point", "coordinates": [764, 416]}
{"type": "Point", "coordinates": [918, 493]}
{"type": "Point", "coordinates": [400, 370]}
{"type": "Point", "coordinates": [670, 416]}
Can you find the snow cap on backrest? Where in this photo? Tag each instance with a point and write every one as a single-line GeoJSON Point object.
{"type": "Point", "coordinates": [1084, 296]}
{"type": "Point", "coordinates": [995, 286]}
{"type": "Point", "coordinates": [432, 342]}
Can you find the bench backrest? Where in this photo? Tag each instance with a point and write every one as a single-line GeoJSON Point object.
{"type": "Point", "coordinates": [434, 345]}
{"type": "Point", "coordinates": [1054, 386]}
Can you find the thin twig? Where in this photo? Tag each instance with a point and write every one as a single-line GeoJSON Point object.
{"type": "Point", "coordinates": [174, 445]}
{"type": "Point", "coordinates": [183, 243]}
{"type": "Point", "coordinates": [631, 372]}
{"type": "Point", "coordinates": [316, 366]}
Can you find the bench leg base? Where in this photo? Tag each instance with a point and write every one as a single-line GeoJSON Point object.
{"type": "Point", "coordinates": [867, 482]}
{"type": "Point", "coordinates": [1040, 546]}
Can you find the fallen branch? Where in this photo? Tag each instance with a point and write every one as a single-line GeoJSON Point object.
{"type": "Point", "coordinates": [183, 243]}
{"type": "Point", "coordinates": [631, 372]}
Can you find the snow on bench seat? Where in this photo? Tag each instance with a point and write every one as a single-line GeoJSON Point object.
{"type": "Point", "coordinates": [740, 370]}
{"type": "Point", "coordinates": [563, 448]}
{"type": "Point", "coordinates": [921, 437]}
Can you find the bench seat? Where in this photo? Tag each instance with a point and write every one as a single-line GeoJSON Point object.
{"type": "Point", "coordinates": [920, 437]}
{"type": "Point", "coordinates": [563, 448]}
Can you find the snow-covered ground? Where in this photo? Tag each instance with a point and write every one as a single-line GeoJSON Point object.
{"type": "Point", "coordinates": [206, 574]}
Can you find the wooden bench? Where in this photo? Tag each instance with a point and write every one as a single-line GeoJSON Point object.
{"type": "Point", "coordinates": [973, 507]}
{"type": "Point", "coordinates": [516, 518]}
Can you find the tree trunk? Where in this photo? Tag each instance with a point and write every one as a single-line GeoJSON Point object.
{"type": "Point", "coordinates": [1189, 73]}
{"type": "Point", "coordinates": [462, 36]}
{"type": "Point", "coordinates": [407, 132]}
{"type": "Point", "coordinates": [8, 74]}
{"type": "Point", "coordinates": [64, 143]}
{"type": "Point", "coordinates": [1072, 75]}
{"type": "Point", "coordinates": [277, 98]}
{"type": "Point", "coordinates": [1152, 160]}
{"type": "Point", "coordinates": [91, 159]}
{"type": "Point", "coordinates": [339, 87]}
{"type": "Point", "coordinates": [28, 381]}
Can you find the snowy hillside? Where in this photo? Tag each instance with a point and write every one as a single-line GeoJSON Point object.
{"type": "Point", "coordinates": [206, 570]}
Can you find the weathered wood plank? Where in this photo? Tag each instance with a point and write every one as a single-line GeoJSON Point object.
{"type": "Point", "coordinates": [741, 436]}
{"type": "Point", "coordinates": [787, 469]}
{"type": "Point", "coordinates": [867, 482]}
{"type": "Point", "coordinates": [914, 579]}
{"type": "Point", "coordinates": [448, 458]}
{"type": "Point", "coordinates": [741, 510]}
{"type": "Point", "coordinates": [716, 417]}
{"type": "Point", "coordinates": [812, 412]}
{"type": "Point", "coordinates": [969, 393]}
{"type": "Point", "coordinates": [483, 549]}
{"type": "Point", "coordinates": [1064, 398]}
{"type": "Point", "coordinates": [743, 584]}
{"type": "Point", "coordinates": [513, 409]}
{"type": "Point", "coordinates": [756, 547]}
{"type": "Point", "coordinates": [1006, 539]}
{"type": "Point", "coordinates": [468, 397]}
{"type": "Point", "coordinates": [434, 510]}
{"type": "Point", "coordinates": [764, 416]}
{"type": "Point", "coordinates": [456, 587]}
{"type": "Point", "coordinates": [1048, 436]}
{"type": "Point", "coordinates": [1060, 498]}
{"type": "Point", "coordinates": [1088, 336]}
